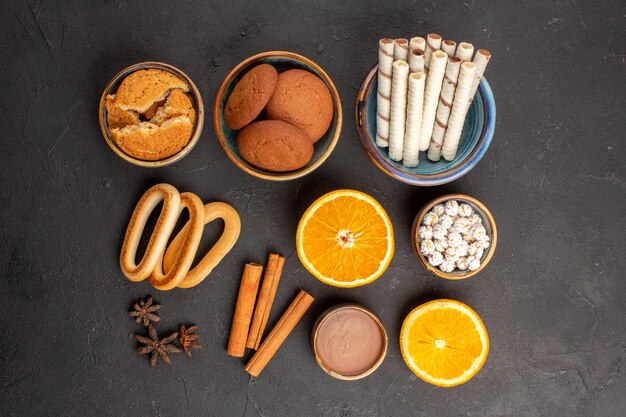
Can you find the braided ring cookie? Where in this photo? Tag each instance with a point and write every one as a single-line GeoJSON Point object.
{"type": "Point", "coordinates": [162, 231]}
{"type": "Point", "coordinates": [191, 240]}
{"type": "Point", "coordinates": [232, 227]}
{"type": "Point", "coordinates": [178, 258]}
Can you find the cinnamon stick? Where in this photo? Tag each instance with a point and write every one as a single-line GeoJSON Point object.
{"type": "Point", "coordinates": [243, 309]}
{"type": "Point", "coordinates": [273, 271]}
{"type": "Point", "coordinates": [279, 333]}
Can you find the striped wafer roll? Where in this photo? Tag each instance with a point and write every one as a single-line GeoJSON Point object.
{"type": "Point", "coordinates": [431, 96]}
{"type": "Point", "coordinates": [443, 108]}
{"type": "Point", "coordinates": [433, 43]}
{"type": "Point", "coordinates": [385, 62]}
{"type": "Point", "coordinates": [465, 51]}
{"type": "Point", "coordinates": [397, 118]}
{"type": "Point", "coordinates": [481, 59]}
{"type": "Point", "coordinates": [418, 43]}
{"type": "Point", "coordinates": [416, 60]}
{"type": "Point", "coordinates": [448, 47]}
{"type": "Point", "coordinates": [411, 153]}
{"type": "Point", "coordinates": [458, 111]}
{"type": "Point", "coordinates": [401, 49]}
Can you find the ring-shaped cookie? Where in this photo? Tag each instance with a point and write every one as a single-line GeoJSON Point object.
{"type": "Point", "coordinates": [232, 227]}
{"type": "Point", "coordinates": [162, 231]}
{"type": "Point", "coordinates": [190, 241]}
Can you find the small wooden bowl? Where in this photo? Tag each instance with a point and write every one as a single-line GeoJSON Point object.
{"type": "Point", "coordinates": [111, 88]}
{"type": "Point", "coordinates": [480, 124]}
{"type": "Point", "coordinates": [488, 222]}
{"type": "Point", "coordinates": [323, 317]}
{"type": "Point", "coordinates": [282, 61]}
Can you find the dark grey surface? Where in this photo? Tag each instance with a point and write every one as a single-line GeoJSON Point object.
{"type": "Point", "coordinates": [553, 297]}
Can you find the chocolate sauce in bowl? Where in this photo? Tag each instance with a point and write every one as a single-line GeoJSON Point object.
{"type": "Point", "coordinates": [349, 341]}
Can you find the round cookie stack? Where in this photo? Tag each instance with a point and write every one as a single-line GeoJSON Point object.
{"type": "Point", "coordinates": [297, 107]}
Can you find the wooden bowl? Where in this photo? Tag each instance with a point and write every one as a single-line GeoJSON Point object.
{"type": "Point", "coordinates": [282, 61]}
{"type": "Point", "coordinates": [475, 139]}
{"type": "Point", "coordinates": [111, 88]}
{"type": "Point", "coordinates": [487, 220]}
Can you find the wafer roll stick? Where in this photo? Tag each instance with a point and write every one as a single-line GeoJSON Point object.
{"type": "Point", "coordinates": [458, 111]}
{"type": "Point", "coordinates": [417, 43]}
{"type": "Point", "coordinates": [400, 49]}
{"type": "Point", "coordinates": [433, 43]}
{"type": "Point", "coordinates": [443, 108]}
{"type": "Point", "coordinates": [449, 47]}
{"type": "Point", "coordinates": [383, 101]}
{"type": "Point", "coordinates": [397, 118]}
{"type": "Point", "coordinates": [410, 157]}
{"type": "Point", "coordinates": [416, 60]}
{"type": "Point", "coordinates": [465, 51]}
{"type": "Point", "coordinates": [481, 59]}
{"type": "Point", "coordinates": [431, 96]}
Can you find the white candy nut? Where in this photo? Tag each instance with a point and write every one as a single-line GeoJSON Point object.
{"type": "Point", "coordinates": [435, 258]}
{"type": "Point", "coordinates": [465, 210]}
{"type": "Point", "coordinates": [439, 209]}
{"type": "Point", "coordinates": [439, 232]}
{"type": "Point", "coordinates": [462, 263]}
{"type": "Point", "coordinates": [427, 247]}
{"type": "Point", "coordinates": [446, 221]}
{"type": "Point", "coordinates": [425, 232]}
{"type": "Point", "coordinates": [473, 265]}
{"type": "Point", "coordinates": [452, 208]}
{"type": "Point", "coordinates": [430, 219]}
{"type": "Point", "coordinates": [447, 265]}
{"type": "Point", "coordinates": [454, 238]}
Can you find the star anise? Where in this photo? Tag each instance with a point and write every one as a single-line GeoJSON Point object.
{"type": "Point", "coordinates": [187, 339]}
{"type": "Point", "coordinates": [145, 310]}
{"type": "Point", "coordinates": [157, 347]}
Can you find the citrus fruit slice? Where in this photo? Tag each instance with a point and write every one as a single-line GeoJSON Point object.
{"type": "Point", "coordinates": [345, 239]}
{"type": "Point", "coordinates": [444, 342]}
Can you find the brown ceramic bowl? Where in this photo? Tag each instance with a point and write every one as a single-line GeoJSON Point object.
{"type": "Point", "coordinates": [321, 363]}
{"type": "Point", "coordinates": [111, 88]}
{"type": "Point", "coordinates": [282, 61]}
{"type": "Point", "coordinates": [488, 222]}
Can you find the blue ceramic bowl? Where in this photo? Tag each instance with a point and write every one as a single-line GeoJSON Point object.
{"type": "Point", "coordinates": [475, 139]}
{"type": "Point", "coordinates": [282, 61]}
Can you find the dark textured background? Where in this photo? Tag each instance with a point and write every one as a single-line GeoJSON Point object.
{"type": "Point", "coordinates": [553, 298]}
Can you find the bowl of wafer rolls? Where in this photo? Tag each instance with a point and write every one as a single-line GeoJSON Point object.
{"type": "Point", "coordinates": [425, 113]}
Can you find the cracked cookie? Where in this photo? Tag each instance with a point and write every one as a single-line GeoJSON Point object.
{"type": "Point", "coordinates": [151, 116]}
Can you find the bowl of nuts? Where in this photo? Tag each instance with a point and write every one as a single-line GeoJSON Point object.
{"type": "Point", "coordinates": [454, 236]}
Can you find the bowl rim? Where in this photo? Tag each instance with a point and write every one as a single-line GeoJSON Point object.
{"type": "Point", "coordinates": [324, 316]}
{"type": "Point", "coordinates": [266, 175]}
{"type": "Point", "coordinates": [199, 114]}
{"type": "Point", "coordinates": [493, 235]}
{"type": "Point", "coordinates": [445, 177]}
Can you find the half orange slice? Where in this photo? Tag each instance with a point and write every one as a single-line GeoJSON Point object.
{"type": "Point", "coordinates": [345, 239]}
{"type": "Point", "coordinates": [444, 342]}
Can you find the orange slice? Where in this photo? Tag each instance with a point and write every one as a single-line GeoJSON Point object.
{"type": "Point", "coordinates": [345, 239]}
{"type": "Point", "coordinates": [444, 342]}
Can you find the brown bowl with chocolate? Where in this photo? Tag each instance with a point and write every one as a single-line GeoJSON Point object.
{"type": "Point", "coordinates": [349, 342]}
{"type": "Point", "coordinates": [151, 114]}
